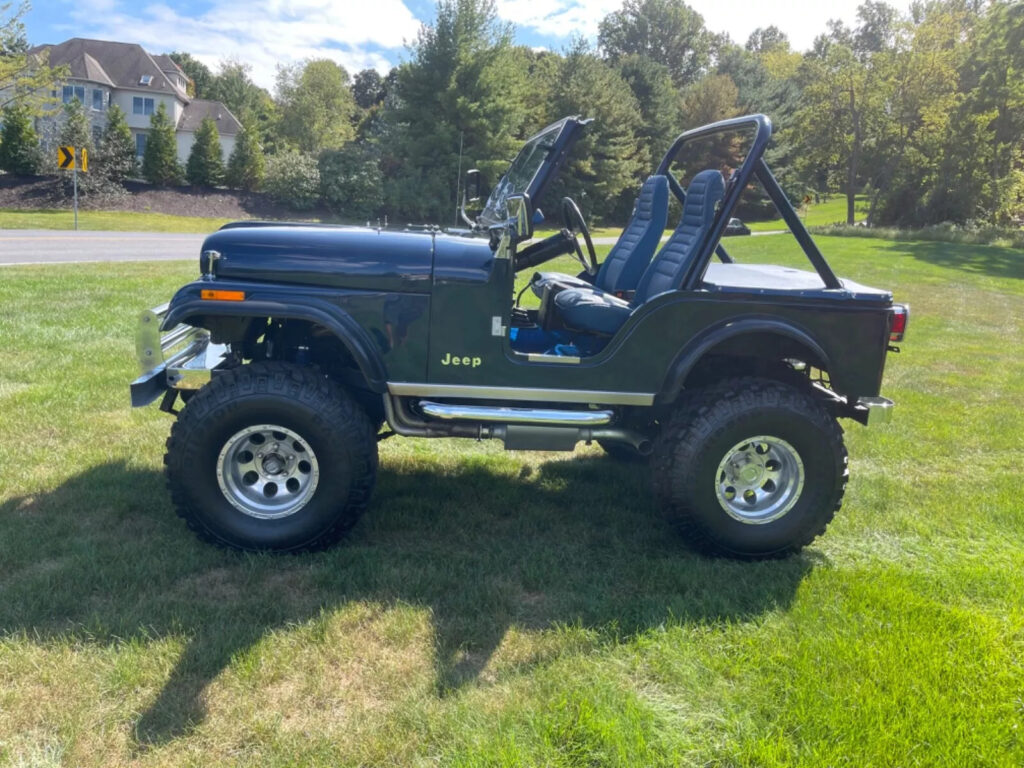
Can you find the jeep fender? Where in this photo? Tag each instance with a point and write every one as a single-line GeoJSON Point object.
{"type": "Point", "coordinates": [323, 313]}
{"type": "Point", "coordinates": [714, 337]}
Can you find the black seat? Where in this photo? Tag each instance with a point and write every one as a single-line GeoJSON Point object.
{"type": "Point", "coordinates": [626, 261]}
{"type": "Point", "coordinates": [590, 309]}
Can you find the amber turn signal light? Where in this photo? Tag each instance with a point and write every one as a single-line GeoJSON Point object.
{"type": "Point", "coordinates": [213, 295]}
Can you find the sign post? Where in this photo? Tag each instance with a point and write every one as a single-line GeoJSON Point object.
{"type": "Point", "coordinates": [70, 157]}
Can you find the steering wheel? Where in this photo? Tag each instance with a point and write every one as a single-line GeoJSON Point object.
{"type": "Point", "coordinates": [574, 223]}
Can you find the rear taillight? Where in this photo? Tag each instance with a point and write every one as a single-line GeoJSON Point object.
{"type": "Point", "coordinates": [900, 315]}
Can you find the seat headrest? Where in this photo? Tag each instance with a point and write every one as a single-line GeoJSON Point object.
{"type": "Point", "coordinates": [702, 198]}
{"type": "Point", "coordinates": [655, 189]}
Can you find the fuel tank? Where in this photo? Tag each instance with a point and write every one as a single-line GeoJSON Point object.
{"type": "Point", "coordinates": [347, 257]}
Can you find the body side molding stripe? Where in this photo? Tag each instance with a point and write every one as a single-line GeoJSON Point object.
{"type": "Point", "coordinates": [406, 388]}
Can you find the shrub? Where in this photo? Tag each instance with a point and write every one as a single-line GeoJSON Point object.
{"type": "Point", "coordinates": [115, 155]}
{"type": "Point", "coordinates": [351, 184]}
{"type": "Point", "coordinates": [20, 153]}
{"type": "Point", "coordinates": [160, 160]}
{"type": "Point", "coordinates": [293, 180]}
{"type": "Point", "coordinates": [246, 166]}
{"type": "Point", "coordinates": [205, 167]}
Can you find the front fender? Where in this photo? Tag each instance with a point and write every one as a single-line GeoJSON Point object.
{"type": "Point", "coordinates": [187, 307]}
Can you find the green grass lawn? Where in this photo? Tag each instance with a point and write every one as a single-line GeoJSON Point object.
{"type": "Point", "coordinates": [505, 609]}
{"type": "Point", "coordinates": [120, 221]}
{"type": "Point", "coordinates": [830, 211]}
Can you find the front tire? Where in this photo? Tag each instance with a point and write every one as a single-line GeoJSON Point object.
{"type": "Point", "coordinates": [750, 468]}
{"type": "Point", "coordinates": [271, 456]}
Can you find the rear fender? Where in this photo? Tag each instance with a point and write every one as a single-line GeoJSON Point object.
{"type": "Point", "coordinates": [720, 337]}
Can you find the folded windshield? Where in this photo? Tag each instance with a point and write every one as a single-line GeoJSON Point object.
{"type": "Point", "coordinates": [521, 173]}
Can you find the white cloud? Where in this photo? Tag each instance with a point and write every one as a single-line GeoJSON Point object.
{"type": "Point", "coordinates": [262, 33]}
{"type": "Point", "coordinates": [560, 18]}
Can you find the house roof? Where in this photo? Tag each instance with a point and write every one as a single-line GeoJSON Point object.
{"type": "Point", "coordinates": [198, 109]}
{"type": "Point", "coordinates": [119, 65]}
{"type": "Point", "coordinates": [167, 64]}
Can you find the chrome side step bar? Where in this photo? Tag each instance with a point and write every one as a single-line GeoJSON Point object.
{"type": "Point", "coordinates": [517, 436]}
{"type": "Point", "coordinates": [507, 415]}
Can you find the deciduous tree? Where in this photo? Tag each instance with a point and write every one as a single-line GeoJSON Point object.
{"type": "Point", "coordinates": [316, 105]}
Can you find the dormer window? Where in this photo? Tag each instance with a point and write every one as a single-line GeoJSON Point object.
{"type": "Point", "coordinates": [146, 80]}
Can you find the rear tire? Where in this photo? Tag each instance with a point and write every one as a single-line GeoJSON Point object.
{"type": "Point", "coordinates": [750, 468]}
{"type": "Point", "coordinates": [271, 456]}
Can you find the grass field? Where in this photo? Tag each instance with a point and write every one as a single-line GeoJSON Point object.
{"type": "Point", "coordinates": [512, 608]}
{"type": "Point", "coordinates": [119, 221]}
{"type": "Point", "coordinates": [830, 211]}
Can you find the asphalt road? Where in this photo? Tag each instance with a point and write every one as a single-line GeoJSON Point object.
{"type": "Point", "coordinates": [51, 246]}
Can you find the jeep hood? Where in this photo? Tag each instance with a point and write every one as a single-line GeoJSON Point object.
{"type": "Point", "coordinates": [350, 257]}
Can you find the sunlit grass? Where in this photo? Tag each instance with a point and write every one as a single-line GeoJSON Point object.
{"type": "Point", "coordinates": [502, 608]}
{"type": "Point", "coordinates": [119, 221]}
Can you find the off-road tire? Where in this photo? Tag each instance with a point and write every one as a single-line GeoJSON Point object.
{"type": "Point", "coordinates": [700, 434]}
{"type": "Point", "coordinates": [301, 399]}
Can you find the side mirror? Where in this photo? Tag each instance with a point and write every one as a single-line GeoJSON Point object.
{"type": "Point", "coordinates": [520, 216]}
{"type": "Point", "coordinates": [474, 183]}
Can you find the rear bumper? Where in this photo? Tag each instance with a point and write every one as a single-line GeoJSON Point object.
{"type": "Point", "coordinates": [182, 357]}
{"type": "Point", "coordinates": [875, 410]}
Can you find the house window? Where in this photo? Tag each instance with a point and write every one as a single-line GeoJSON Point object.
{"type": "Point", "coordinates": [73, 92]}
{"type": "Point", "coordinates": [97, 99]}
{"type": "Point", "coordinates": [142, 106]}
{"type": "Point", "coordinates": [140, 144]}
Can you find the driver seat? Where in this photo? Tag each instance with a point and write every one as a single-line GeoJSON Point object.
{"type": "Point", "coordinates": [626, 261]}
{"type": "Point", "coordinates": [592, 310]}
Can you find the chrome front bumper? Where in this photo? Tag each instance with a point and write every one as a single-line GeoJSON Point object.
{"type": "Point", "coordinates": [180, 358]}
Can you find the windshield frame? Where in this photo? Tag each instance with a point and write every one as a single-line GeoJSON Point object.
{"type": "Point", "coordinates": [536, 163]}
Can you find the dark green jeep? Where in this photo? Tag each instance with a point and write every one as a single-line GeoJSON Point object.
{"type": "Point", "coordinates": [298, 342]}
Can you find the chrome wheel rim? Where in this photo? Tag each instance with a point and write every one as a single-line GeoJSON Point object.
{"type": "Point", "coordinates": [759, 479]}
{"type": "Point", "coordinates": [267, 471]}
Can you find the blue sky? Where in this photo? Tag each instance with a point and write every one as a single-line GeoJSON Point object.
{"type": "Point", "coordinates": [369, 33]}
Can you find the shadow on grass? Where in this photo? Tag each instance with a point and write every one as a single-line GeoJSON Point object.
{"type": "Point", "coordinates": [992, 260]}
{"type": "Point", "coordinates": [103, 559]}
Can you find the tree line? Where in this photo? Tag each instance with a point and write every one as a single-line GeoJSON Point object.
{"type": "Point", "coordinates": [922, 112]}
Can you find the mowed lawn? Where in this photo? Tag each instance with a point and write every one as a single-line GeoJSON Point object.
{"type": "Point", "coordinates": [822, 214]}
{"type": "Point", "coordinates": [502, 608]}
{"type": "Point", "coordinates": [118, 221]}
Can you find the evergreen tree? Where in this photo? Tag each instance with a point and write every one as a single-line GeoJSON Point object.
{"type": "Point", "coordinates": [459, 89]}
{"type": "Point", "coordinates": [607, 161]}
{"type": "Point", "coordinates": [160, 159]}
{"type": "Point", "coordinates": [76, 131]}
{"type": "Point", "coordinates": [246, 166]}
{"type": "Point", "coordinates": [20, 153]}
{"type": "Point", "coordinates": [205, 167]}
{"type": "Point", "coordinates": [115, 155]}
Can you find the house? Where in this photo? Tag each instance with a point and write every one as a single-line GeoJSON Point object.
{"type": "Point", "coordinates": [102, 73]}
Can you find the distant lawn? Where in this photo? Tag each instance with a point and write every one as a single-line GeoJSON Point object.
{"type": "Point", "coordinates": [831, 211]}
{"type": "Point", "coordinates": [120, 221]}
{"type": "Point", "coordinates": [505, 608]}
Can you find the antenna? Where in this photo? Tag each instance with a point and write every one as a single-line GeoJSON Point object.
{"type": "Point", "coordinates": [458, 179]}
